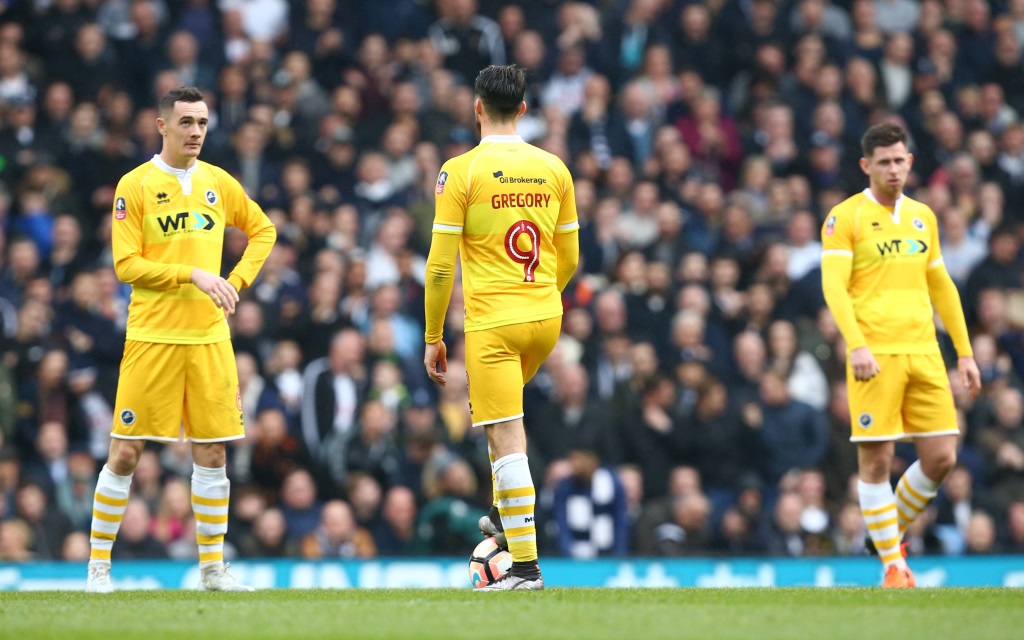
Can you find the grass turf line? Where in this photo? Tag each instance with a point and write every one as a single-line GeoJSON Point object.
{"type": "Point", "coordinates": [724, 614]}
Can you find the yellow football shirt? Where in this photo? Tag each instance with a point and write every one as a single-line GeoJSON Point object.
{"type": "Point", "coordinates": [168, 221]}
{"type": "Point", "coordinates": [507, 199]}
{"type": "Point", "coordinates": [891, 251]}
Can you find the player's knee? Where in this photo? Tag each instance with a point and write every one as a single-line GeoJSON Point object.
{"type": "Point", "coordinates": [124, 456]}
{"type": "Point", "coordinates": [874, 462]}
{"type": "Point", "coordinates": [875, 470]}
{"type": "Point", "coordinates": [938, 466]}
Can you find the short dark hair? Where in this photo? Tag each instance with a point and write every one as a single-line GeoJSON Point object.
{"type": "Point", "coordinates": [181, 94]}
{"type": "Point", "coordinates": [884, 134]}
{"type": "Point", "coordinates": [502, 89]}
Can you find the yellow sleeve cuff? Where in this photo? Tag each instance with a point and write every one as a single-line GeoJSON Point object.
{"type": "Point", "coordinates": [184, 274]}
{"type": "Point", "coordinates": [236, 282]}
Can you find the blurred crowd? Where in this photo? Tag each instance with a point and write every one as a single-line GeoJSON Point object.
{"type": "Point", "coordinates": [696, 403]}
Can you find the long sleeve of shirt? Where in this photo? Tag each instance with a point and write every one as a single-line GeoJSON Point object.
{"type": "Point", "coordinates": [127, 242]}
{"type": "Point", "coordinates": [835, 284]}
{"type": "Point", "coordinates": [440, 278]}
{"type": "Point", "coordinates": [567, 253]}
{"type": "Point", "coordinates": [946, 300]}
{"type": "Point", "coordinates": [262, 236]}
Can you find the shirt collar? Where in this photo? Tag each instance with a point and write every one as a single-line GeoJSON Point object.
{"type": "Point", "coordinates": [895, 208]}
{"type": "Point", "coordinates": [180, 174]}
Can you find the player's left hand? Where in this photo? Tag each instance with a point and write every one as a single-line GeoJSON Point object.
{"type": "Point", "coordinates": [435, 359]}
{"type": "Point", "coordinates": [969, 375]}
{"type": "Point", "coordinates": [223, 294]}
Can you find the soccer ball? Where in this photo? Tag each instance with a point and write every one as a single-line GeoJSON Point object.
{"type": "Point", "coordinates": [488, 563]}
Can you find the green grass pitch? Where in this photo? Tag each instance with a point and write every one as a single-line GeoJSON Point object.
{"type": "Point", "coordinates": [763, 614]}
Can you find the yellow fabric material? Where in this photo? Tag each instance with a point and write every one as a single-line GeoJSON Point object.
{"type": "Point", "coordinates": [567, 250]}
{"type": "Point", "coordinates": [835, 283]}
{"type": "Point", "coordinates": [910, 397]}
{"type": "Point", "coordinates": [500, 361]}
{"type": "Point", "coordinates": [875, 274]}
{"type": "Point", "coordinates": [437, 292]}
{"type": "Point", "coordinates": [160, 233]}
{"type": "Point", "coordinates": [946, 299]}
{"type": "Point", "coordinates": [506, 200]}
{"type": "Point", "coordinates": [164, 387]}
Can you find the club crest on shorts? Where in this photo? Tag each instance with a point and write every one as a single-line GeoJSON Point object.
{"type": "Point", "coordinates": [830, 225]}
{"type": "Point", "coordinates": [120, 209]}
{"type": "Point", "coordinates": [211, 196]}
{"type": "Point", "coordinates": [918, 224]}
{"type": "Point", "coordinates": [865, 421]}
{"type": "Point", "coordinates": [127, 417]}
{"type": "Point", "coordinates": [442, 178]}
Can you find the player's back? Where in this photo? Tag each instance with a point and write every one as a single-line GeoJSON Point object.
{"type": "Point", "coordinates": [513, 199]}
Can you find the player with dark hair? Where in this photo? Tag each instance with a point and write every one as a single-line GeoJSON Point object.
{"type": "Point", "coordinates": [178, 370]}
{"type": "Point", "coordinates": [882, 272]}
{"type": "Point", "coordinates": [509, 209]}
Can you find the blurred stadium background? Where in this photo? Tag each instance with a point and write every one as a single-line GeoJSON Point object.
{"type": "Point", "coordinates": [695, 405]}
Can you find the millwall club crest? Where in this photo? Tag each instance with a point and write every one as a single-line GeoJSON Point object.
{"type": "Point", "coordinates": [865, 421]}
{"type": "Point", "coordinates": [918, 224]}
{"type": "Point", "coordinates": [211, 196]}
{"type": "Point", "coordinates": [120, 209]}
{"type": "Point", "coordinates": [442, 178]}
{"type": "Point", "coordinates": [128, 417]}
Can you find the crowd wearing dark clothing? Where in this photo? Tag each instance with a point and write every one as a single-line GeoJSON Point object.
{"type": "Point", "coordinates": [696, 401]}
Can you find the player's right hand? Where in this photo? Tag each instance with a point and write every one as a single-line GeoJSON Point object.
{"type": "Point", "coordinates": [435, 359]}
{"type": "Point", "coordinates": [863, 363]}
{"type": "Point", "coordinates": [219, 289]}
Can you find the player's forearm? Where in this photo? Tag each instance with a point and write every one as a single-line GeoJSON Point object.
{"type": "Point", "coordinates": [440, 278]}
{"type": "Point", "coordinates": [946, 300]}
{"type": "Point", "coordinates": [261, 242]}
{"type": "Point", "coordinates": [567, 253]}
{"type": "Point", "coordinates": [835, 281]}
{"type": "Point", "coordinates": [137, 271]}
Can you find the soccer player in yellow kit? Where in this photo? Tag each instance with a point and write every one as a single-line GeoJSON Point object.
{"type": "Point", "coordinates": [882, 272]}
{"type": "Point", "coordinates": [178, 370]}
{"type": "Point", "coordinates": [509, 209]}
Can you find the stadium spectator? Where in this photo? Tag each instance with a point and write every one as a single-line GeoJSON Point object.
{"type": "Point", "coordinates": [268, 538]}
{"type": "Point", "coordinates": [590, 506]}
{"type": "Point", "coordinates": [447, 523]}
{"type": "Point", "coordinates": [337, 536]}
{"type": "Point", "coordinates": [792, 434]}
{"type": "Point", "coordinates": [134, 541]}
{"type": "Point", "coordinates": [468, 41]}
{"type": "Point", "coordinates": [299, 504]}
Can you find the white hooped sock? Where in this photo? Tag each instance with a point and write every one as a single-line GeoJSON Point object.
{"type": "Point", "coordinates": [913, 493]}
{"type": "Point", "coordinates": [108, 506]}
{"type": "Point", "coordinates": [211, 491]}
{"type": "Point", "coordinates": [878, 505]}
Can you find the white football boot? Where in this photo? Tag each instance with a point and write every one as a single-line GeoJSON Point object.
{"type": "Point", "coordinates": [215, 577]}
{"type": "Point", "coordinates": [99, 578]}
{"type": "Point", "coordinates": [512, 583]}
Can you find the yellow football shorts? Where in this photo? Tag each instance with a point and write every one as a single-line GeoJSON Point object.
{"type": "Point", "coordinates": [500, 361]}
{"type": "Point", "coordinates": [165, 388]}
{"type": "Point", "coordinates": [909, 398]}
